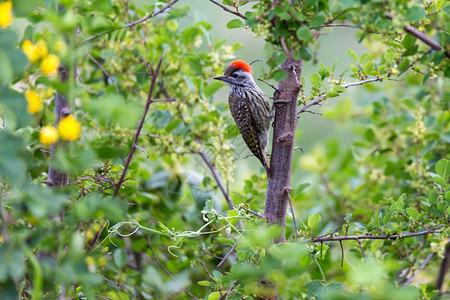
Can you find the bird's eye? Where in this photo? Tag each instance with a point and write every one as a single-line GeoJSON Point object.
{"type": "Point", "coordinates": [234, 75]}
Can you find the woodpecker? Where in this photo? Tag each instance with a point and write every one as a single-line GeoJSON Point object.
{"type": "Point", "coordinates": [250, 108]}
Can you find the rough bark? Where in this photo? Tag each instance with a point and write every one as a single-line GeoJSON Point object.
{"type": "Point", "coordinates": [279, 177]}
{"type": "Point", "coordinates": [56, 178]}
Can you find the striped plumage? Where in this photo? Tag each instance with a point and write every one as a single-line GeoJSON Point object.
{"type": "Point", "coordinates": [250, 108]}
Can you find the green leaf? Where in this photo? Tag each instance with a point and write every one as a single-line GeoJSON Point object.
{"type": "Point", "coordinates": [439, 181]}
{"type": "Point", "coordinates": [279, 75]}
{"type": "Point", "coordinates": [204, 283]}
{"type": "Point", "coordinates": [313, 220]}
{"type": "Point", "coordinates": [318, 21]}
{"type": "Point", "coordinates": [120, 258]}
{"type": "Point", "coordinates": [315, 81]}
{"type": "Point", "coordinates": [214, 296]}
{"type": "Point", "coordinates": [408, 41]}
{"type": "Point", "coordinates": [412, 212]}
{"type": "Point", "coordinates": [348, 217]}
{"type": "Point", "coordinates": [305, 53]}
{"type": "Point", "coordinates": [268, 50]}
{"type": "Point", "coordinates": [339, 89]}
{"type": "Point", "coordinates": [322, 291]}
{"type": "Point", "coordinates": [304, 34]}
{"type": "Point", "coordinates": [235, 23]}
{"type": "Point", "coordinates": [414, 14]}
{"type": "Point", "coordinates": [352, 55]}
{"type": "Point", "coordinates": [211, 88]}
{"type": "Point", "coordinates": [443, 168]}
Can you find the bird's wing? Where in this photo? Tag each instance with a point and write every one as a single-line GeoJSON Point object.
{"type": "Point", "coordinates": [246, 123]}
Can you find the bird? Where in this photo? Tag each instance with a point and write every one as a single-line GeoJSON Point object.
{"type": "Point", "coordinates": [250, 108]}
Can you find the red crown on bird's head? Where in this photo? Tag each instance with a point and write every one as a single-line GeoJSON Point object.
{"type": "Point", "coordinates": [240, 64]}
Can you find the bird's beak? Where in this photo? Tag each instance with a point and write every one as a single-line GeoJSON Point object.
{"type": "Point", "coordinates": [222, 78]}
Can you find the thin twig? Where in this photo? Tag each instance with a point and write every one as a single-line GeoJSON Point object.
{"type": "Point", "coordinates": [336, 17]}
{"type": "Point", "coordinates": [207, 271]}
{"type": "Point", "coordinates": [373, 237]}
{"type": "Point", "coordinates": [293, 218]}
{"type": "Point", "coordinates": [424, 264]}
{"type": "Point", "coordinates": [252, 212]}
{"type": "Point", "coordinates": [141, 124]}
{"type": "Point", "coordinates": [228, 291]}
{"type": "Point", "coordinates": [168, 5]}
{"type": "Point", "coordinates": [162, 267]}
{"type": "Point", "coordinates": [236, 13]}
{"type": "Point", "coordinates": [414, 62]}
{"type": "Point", "coordinates": [216, 177]}
{"type": "Point", "coordinates": [210, 254]}
{"type": "Point", "coordinates": [420, 35]}
{"type": "Point", "coordinates": [117, 285]}
{"type": "Point", "coordinates": [342, 254]}
{"type": "Point", "coordinates": [104, 71]}
{"type": "Point", "coordinates": [360, 247]}
{"type": "Point", "coordinates": [228, 254]}
{"type": "Point", "coordinates": [318, 99]}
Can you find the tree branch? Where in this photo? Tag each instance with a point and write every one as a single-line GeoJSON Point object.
{"type": "Point", "coordinates": [424, 264]}
{"type": "Point", "coordinates": [372, 237]}
{"type": "Point", "coordinates": [216, 177]}
{"type": "Point", "coordinates": [104, 71]}
{"type": "Point", "coordinates": [236, 13]}
{"type": "Point", "coordinates": [167, 6]}
{"type": "Point", "coordinates": [320, 98]}
{"type": "Point", "coordinates": [140, 125]}
{"type": "Point", "coordinates": [420, 35]}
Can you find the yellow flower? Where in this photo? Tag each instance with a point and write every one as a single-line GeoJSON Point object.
{"type": "Point", "coordinates": [50, 64]}
{"type": "Point", "coordinates": [6, 15]}
{"type": "Point", "coordinates": [69, 128]}
{"type": "Point", "coordinates": [48, 135]}
{"type": "Point", "coordinates": [34, 102]}
{"type": "Point", "coordinates": [30, 51]}
{"type": "Point", "coordinates": [41, 47]}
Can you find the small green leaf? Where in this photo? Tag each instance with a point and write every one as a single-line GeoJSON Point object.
{"type": "Point", "coordinates": [439, 181]}
{"type": "Point", "coordinates": [211, 88]}
{"type": "Point", "coordinates": [204, 283]}
{"type": "Point", "coordinates": [322, 291]}
{"type": "Point", "coordinates": [214, 296]}
{"type": "Point", "coordinates": [414, 14]}
{"type": "Point", "coordinates": [319, 20]}
{"type": "Point", "coordinates": [348, 217]}
{"type": "Point", "coordinates": [279, 75]}
{"type": "Point", "coordinates": [305, 53]}
{"type": "Point", "coordinates": [447, 196]}
{"type": "Point", "coordinates": [443, 168]}
{"type": "Point", "coordinates": [304, 34]}
{"type": "Point", "coordinates": [313, 220]}
{"type": "Point", "coordinates": [268, 50]}
{"type": "Point", "coordinates": [339, 89]}
{"type": "Point", "coordinates": [315, 80]}
{"type": "Point", "coordinates": [120, 258]}
{"type": "Point", "coordinates": [352, 55]}
{"type": "Point", "coordinates": [235, 23]}
{"type": "Point", "coordinates": [412, 212]}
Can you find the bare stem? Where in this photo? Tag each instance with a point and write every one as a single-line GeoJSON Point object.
{"type": "Point", "coordinates": [167, 6]}
{"type": "Point", "coordinates": [372, 237]}
{"type": "Point", "coordinates": [236, 13]}
{"type": "Point", "coordinates": [141, 124]}
{"type": "Point", "coordinates": [320, 98]}
{"type": "Point", "coordinates": [420, 35]}
{"type": "Point", "coordinates": [216, 177]}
